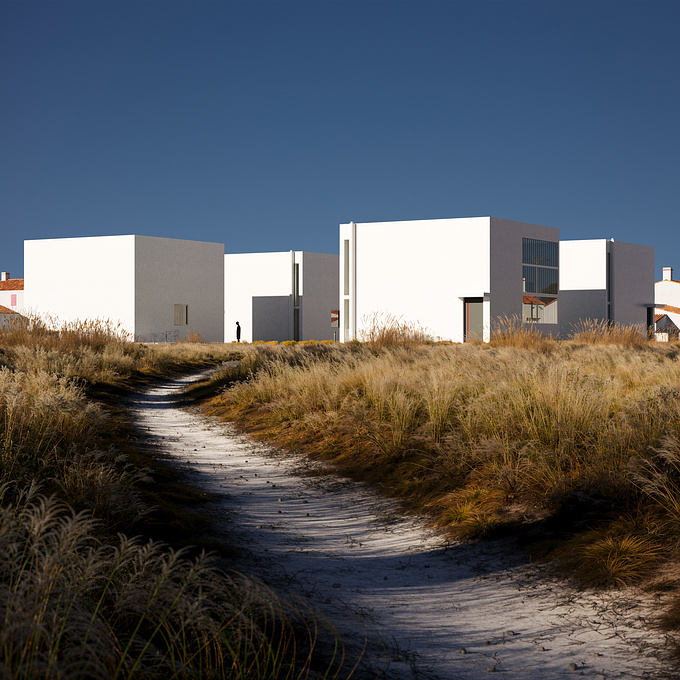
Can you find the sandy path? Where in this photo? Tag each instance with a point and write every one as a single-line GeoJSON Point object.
{"type": "Point", "coordinates": [442, 610]}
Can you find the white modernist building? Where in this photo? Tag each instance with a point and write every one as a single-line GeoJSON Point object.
{"type": "Point", "coordinates": [455, 277]}
{"type": "Point", "coordinates": [452, 277]}
{"type": "Point", "coordinates": [11, 293]}
{"type": "Point", "coordinates": [281, 296]}
{"type": "Point", "coordinates": [606, 280]}
{"type": "Point", "coordinates": [667, 302]}
{"type": "Point", "coordinates": [158, 289]}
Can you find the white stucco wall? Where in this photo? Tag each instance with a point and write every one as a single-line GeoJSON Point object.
{"type": "Point", "coordinates": [264, 282]}
{"type": "Point", "coordinates": [583, 265]}
{"type": "Point", "coordinates": [81, 278]}
{"type": "Point", "coordinates": [131, 280]}
{"type": "Point", "coordinates": [259, 295]}
{"type": "Point", "coordinates": [668, 293]}
{"type": "Point", "coordinates": [6, 297]}
{"type": "Point", "coordinates": [416, 271]}
{"type": "Point", "coordinates": [174, 271]}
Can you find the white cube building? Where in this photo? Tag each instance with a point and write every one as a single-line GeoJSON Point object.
{"type": "Point", "coordinates": [158, 289]}
{"type": "Point", "coordinates": [280, 296]}
{"type": "Point", "coordinates": [451, 277]}
{"type": "Point", "coordinates": [606, 280]}
{"type": "Point", "coordinates": [667, 304]}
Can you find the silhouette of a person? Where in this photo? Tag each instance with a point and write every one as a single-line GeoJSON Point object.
{"type": "Point", "coordinates": [238, 332]}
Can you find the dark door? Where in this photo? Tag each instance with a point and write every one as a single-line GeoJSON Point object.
{"type": "Point", "coordinates": [473, 318]}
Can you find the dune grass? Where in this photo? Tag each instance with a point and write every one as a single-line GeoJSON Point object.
{"type": "Point", "coordinates": [568, 444]}
{"type": "Point", "coordinates": [81, 597]}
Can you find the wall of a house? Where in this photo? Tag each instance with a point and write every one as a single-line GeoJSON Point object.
{"type": "Point", "coordinates": [7, 296]}
{"type": "Point", "coordinates": [415, 271]}
{"type": "Point", "coordinates": [258, 291]}
{"type": "Point", "coordinates": [422, 271]}
{"type": "Point", "coordinates": [586, 287]}
{"type": "Point", "coordinates": [583, 283]}
{"type": "Point", "coordinates": [131, 280]}
{"type": "Point", "coordinates": [173, 271]}
{"type": "Point", "coordinates": [506, 270]}
{"type": "Point", "coordinates": [667, 292]}
{"type": "Point", "coordinates": [632, 279]}
{"type": "Point", "coordinates": [319, 295]}
{"type": "Point", "coordinates": [81, 278]}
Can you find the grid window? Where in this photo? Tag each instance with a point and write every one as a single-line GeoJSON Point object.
{"type": "Point", "coordinates": [540, 260]}
{"type": "Point", "coordinates": [540, 280]}
{"type": "Point", "coordinates": [543, 253]}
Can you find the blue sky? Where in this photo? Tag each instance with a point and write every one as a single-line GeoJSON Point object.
{"type": "Point", "coordinates": [263, 125]}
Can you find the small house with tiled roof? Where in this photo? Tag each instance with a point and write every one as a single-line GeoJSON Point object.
{"type": "Point", "coordinates": [11, 293]}
{"type": "Point", "coordinates": [667, 304]}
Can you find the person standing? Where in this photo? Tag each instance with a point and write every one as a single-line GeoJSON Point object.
{"type": "Point", "coordinates": [238, 332]}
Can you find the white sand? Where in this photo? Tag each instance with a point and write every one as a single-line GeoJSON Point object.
{"type": "Point", "coordinates": [442, 610]}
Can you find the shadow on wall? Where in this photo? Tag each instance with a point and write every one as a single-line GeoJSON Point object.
{"type": "Point", "coordinates": [272, 318]}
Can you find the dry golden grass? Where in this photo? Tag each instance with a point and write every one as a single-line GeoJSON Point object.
{"type": "Point", "coordinates": [486, 436]}
{"type": "Point", "coordinates": [604, 333]}
{"type": "Point", "coordinates": [383, 330]}
{"type": "Point", "coordinates": [79, 599]}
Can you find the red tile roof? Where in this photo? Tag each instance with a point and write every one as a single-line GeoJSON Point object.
{"type": "Point", "coordinates": [533, 300]}
{"type": "Point", "coordinates": [658, 317]}
{"type": "Point", "coordinates": [7, 310]}
{"type": "Point", "coordinates": [12, 284]}
{"type": "Point", "coordinates": [669, 308]}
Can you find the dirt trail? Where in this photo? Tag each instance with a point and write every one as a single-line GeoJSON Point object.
{"type": "Point", "coordinates": [432, 609]}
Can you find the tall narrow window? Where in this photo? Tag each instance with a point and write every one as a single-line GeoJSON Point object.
{"type": "Point", "coordinates": [346, 315]}
{"type": "Point", "coordinates": [346, 266]}
{"type": "Point", "coordinates": [181, 315]}
{"type": "Point", "coordinates": [296, 286]}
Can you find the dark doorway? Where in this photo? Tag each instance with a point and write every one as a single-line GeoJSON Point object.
{"type": "Point", "coordinates": [473, 318]}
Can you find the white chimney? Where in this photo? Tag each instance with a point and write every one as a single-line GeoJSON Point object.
{"type": "Point", "coordinates": [667, 273]}
{"type": "Point", "coordinates": [4, 276]}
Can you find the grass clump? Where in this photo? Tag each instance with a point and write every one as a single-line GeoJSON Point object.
{"type": "Point", "coordinates": [603, 332]}
{"type": "Point", "coordinates": [382, 330]}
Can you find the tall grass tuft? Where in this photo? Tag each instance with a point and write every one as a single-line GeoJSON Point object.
{"type": "Point", "coordinates": [602, 332]}
{"type": "Point", "coordinates": [511, 332]}
{"type": "Point", "coordinates": [383, 330]}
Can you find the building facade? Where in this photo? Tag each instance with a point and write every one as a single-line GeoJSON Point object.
{"type": "Point", "coordinates": [667, 304]}
{"type": "Point", "coordinates": [280, 296]}
{"type": "Point", "coordinates": [157, 289]}
{"type": "Point", "coordinates": [606, 280]}
{"type": "Point", "coordinates": [453, 278]}
{"type": "Point", "coordinates": [11, 293]}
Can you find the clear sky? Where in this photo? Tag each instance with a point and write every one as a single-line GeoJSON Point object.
{"type": "Point", "coordinates": [263, 125]}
